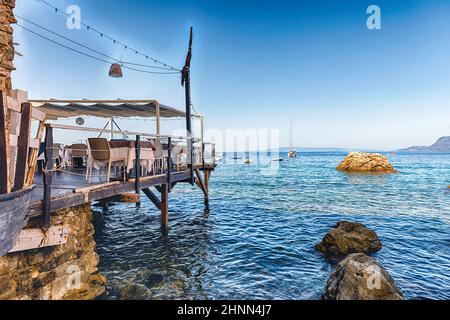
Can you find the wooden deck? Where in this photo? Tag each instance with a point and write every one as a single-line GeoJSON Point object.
{"type": "Point", "coordinates": [70, 190]}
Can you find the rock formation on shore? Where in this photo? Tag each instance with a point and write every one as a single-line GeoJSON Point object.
{"type": "Point", "coordinates": [349, 237]}
{"type": "Point", "coordinates": [366, 163]}
{"type": "Point", "coordinates": [359, 277]}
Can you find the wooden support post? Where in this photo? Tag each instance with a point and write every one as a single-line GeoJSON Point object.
{"type": "Point", "coordinates": [32, 162]}
{"type": "Point", "coordinates": [4, 147]}
{"type": "Point", "coordinates": [137, 182]}
{"type": "Point", "coordinates": [169, 165]}
{"type": "Point", "coordinates": [165, 206]}
{"type": "Point", "coordinates": [23, 147]}
{"type": "Point", "coordinates": [48, 154]}
{"type": "Point", "coordinates": [203, 155]}
{"type": "Point", "coordinates": [200, 183]}
{"type": "Point", "coordinates": [206, 173]}
{"type": "Point", "coordinates": [158, 120]}
{"type": "Point", "coordinates": [153, 198]}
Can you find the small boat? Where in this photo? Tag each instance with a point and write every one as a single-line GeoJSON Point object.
{"type": "Point", "coordinates": [13, 217]}
{"type": "Point", "coordinates": [393, 154]}
{"type": "Point", "coordinates": [292, 153]}
{"type": "Point", "coordinates": [248, 161]}
{"type": "Point", "coordinates": [277, 160]}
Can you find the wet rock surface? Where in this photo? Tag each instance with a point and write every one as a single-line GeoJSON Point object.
{"type": "Point", "coordinates": [366, 163]}
{"type": "Point", "coordinates": [360, 277]}
{"type": "Point", "coordinates": [349, 237]}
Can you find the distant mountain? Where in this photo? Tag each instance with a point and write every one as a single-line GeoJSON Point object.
{"type": "Point", "coordinates": [441, 145]}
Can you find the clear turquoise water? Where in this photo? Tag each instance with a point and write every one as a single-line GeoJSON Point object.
{"type": "Point", "coordinates": [256, 240]}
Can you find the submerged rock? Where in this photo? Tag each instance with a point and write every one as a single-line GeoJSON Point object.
{"type": "Point", "coordinates": [349, 237]}
{"type": "Point", "coordinates": [360, 277]}
{"type": "Point", "coordinates": [134, 291]}
{"type": "Point", "coordinates": [366, 163]}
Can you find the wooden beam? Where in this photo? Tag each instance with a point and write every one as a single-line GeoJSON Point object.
{"type": "Point", "coordinates": [153, 198]}
{"type": "Point", "coordinates": [96, 187]}
{"type": "Point", "coordinates": [37, 115]}
{"type": "Point", "coordinates": [23, 147]}
{"type": "Point", "coordinates": [13, 104]}
{"type": "Point", "coordinates": [127, 133]}
{"type": "Point", "coordinates": [4, 148]}
{"type": "Point", "coordinates": [200, 183]}
{"type": "Point", "coordinates": [47, 204]}
{"type": "Point", "coordinates": [37, 238]}
{"type": "Point", "coordinates": [165, 206]}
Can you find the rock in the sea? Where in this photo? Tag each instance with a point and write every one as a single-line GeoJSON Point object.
{"type": "Point", "coordinates": [360, 277]}
{"type": "Point", "coordinates": [349, 237]}
{"type": "Point", "coordinates": [134, 291]}
{"type": "Point", "coordinates": [366, 163]}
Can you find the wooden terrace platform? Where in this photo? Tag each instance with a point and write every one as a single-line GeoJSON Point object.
{"type": "Point", "coordinates": [69, 190]}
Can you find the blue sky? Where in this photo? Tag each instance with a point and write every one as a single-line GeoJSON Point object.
{"type": "Point", "coordinates": [257, 64]}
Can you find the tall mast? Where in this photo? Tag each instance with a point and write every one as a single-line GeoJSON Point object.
{"type": "Point", "coordinates": [290, 141]}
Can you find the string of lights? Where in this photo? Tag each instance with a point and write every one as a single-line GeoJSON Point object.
{"type": "Point", "coordinates": [89, 55]}
{"type": "Point", "coordinates": [103, 35]}
{"type": "Point", "coordinates": [88, 48]}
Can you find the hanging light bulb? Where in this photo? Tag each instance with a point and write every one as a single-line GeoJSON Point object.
{"type": "Point", "coordinates": [115, 71]}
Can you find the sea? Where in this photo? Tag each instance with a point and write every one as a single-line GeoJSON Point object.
{"type": "Point", "coordinates": [256, 238]}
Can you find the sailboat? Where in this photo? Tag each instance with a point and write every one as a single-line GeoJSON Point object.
{"type": "Point", "coordinates": [291, 153]}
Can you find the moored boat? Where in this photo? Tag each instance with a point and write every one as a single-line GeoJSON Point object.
{"type": "Point", "coordinates": [13, 217]}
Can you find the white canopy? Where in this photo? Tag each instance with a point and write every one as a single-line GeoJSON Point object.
{"type": "Point", "coordinates": [56, 109]}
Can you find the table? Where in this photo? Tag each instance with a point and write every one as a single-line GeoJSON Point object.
{"type": "Point", "coordinates": [123, 150]}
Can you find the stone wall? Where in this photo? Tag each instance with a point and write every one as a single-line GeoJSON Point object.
{"type": "Point", "coordinates": [6, 44]}
{"type": "Point", "coordinates": [64, 272]}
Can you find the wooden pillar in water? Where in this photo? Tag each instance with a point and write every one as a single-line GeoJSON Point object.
{"type": "Point", "coordinates": [137, 181]}
{"type": "Point", "coordinates": [48, 155]}
{"type": "Point", "coordinates": [169, 165]}
{"type": "Point", "coordinates": [165, 206]}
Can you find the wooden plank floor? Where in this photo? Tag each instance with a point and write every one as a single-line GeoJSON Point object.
{"type": "Point", "coordinates": [63, 195]}
{"type": "Point", "coordinates": [64, 182]}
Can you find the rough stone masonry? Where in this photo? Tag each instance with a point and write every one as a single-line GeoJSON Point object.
{"type": "Point", "coordinates": [67, 272]}
{"type": "Point", "coordinates": [6, 44]}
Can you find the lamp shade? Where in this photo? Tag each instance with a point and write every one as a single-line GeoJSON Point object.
{"type": "Point", "coordinates": [115, 71]}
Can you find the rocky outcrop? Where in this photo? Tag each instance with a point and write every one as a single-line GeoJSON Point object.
{"type": "Point", "coordinates": [366, 163]}
{"type": "Point", "coordinates": [349, 237]}
{"type": "Point", "coordinates": [6, 44]}
{"type": "Point", "coordinates": [359, 277]}
{"type": "Point", "coordinates": [68, 271]}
